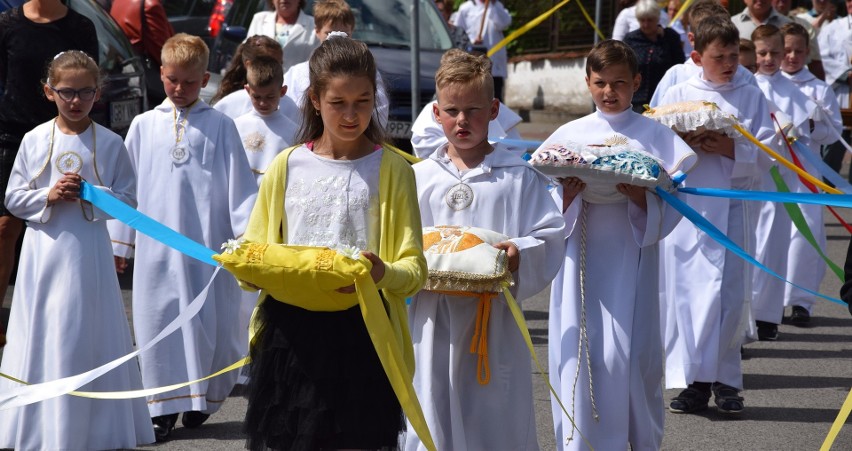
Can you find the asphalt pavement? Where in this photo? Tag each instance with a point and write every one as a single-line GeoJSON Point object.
{"type": "Point", "coordinates": [794, 387]}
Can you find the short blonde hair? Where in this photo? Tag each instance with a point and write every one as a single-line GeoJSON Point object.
{"type": "Point", "coordinates": [185, 50]}
{"type": "Point", "coordinates": [461, 68]}
{"type": "Point", "coordinates": [334, 12]}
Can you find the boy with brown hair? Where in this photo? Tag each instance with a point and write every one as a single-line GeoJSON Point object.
{"type": "Point", "coordinates": [700, 11]}
{"type": "Point", "coordinates": [614, 386]}
{"type": "Point", "coordinates": [469, 182]}
{"type": "Point", "coordinates": [193, 176]}
{"type": "Point", "coordinates": [706, 286]}
{"type": "Point", "coordinates": [331, 16]}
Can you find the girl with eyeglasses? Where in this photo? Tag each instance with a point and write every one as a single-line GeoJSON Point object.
{"type": "Point", "coordinates": [29, 37]}
{"type": "Point", "coordinates": [68, 316]}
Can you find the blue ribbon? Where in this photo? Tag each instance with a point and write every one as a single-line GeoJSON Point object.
{"type": "Point", "coordinates": [707, 227]}
{"type": "Point", "coordinates": [517, 142]}
{"type": "Point", "coordinates": [825, 170]}
{"type": "Point", "coordinates": [831, 200]}
{"type": "Point", "coordinates": [144, 224]}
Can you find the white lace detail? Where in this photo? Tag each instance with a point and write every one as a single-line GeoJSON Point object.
{"type": "Point", "coordinates": [694, 115]}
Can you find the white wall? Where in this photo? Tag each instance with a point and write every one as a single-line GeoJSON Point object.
{"type": "Point", "coordinates": [556, 85]}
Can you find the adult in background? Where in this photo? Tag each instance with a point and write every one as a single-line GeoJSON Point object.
{"type": "Point", "coordinates": [680, 25]}
{"type": "Point", "coordinates": [459, 37]}
{"type": "Point", "coordinates": [145, 24]}
{"type": "Point", "coordinates": [484, 22]}
{"type": "Point", "coordinates": [821, 13]}
{"type": "Point", "coordinates": [756, 13]}
{"type": "Point", "coordinates": [288, 25]}
{"type": "Point", "coordinates": [814, 58]}
{"type": "Point", "coordinates": [626, 21]}
{"type": "Point", "coordinates": [657, 49]}
{"type": "Point", "coordinates": [31, 35]}
{"type": "Point", "coordinates": [834, 42]}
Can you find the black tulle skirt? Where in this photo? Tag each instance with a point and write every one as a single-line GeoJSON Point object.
{"type": "Point", "coordinates": [317, 383]}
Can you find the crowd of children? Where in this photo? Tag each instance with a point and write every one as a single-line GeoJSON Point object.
{"type": "Point", "coordinates": [323, 177]}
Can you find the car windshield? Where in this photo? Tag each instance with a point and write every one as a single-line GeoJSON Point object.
{"type": "Point", "coordinates": [388, 23]}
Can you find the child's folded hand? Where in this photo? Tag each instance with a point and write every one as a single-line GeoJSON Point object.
{"type": "Point", "coordinates": [512, 252]}
{"type": "Point", "coordinates": [718, 143]}
{"type": "Point", "coordinates": [67, 188]}
{"type": "Point", "coordinates": [635, 193]}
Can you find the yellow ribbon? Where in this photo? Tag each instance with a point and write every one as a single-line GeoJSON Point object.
{"type": "Point", "coordinates": [838, 423]}
{"type": "Point", "coordinates": [590, 21]}
{"type": "Point", "coordinates": [522, 325]}
{"type": "Point", "coordinates": [129, 394]}
{"type": "Point", "coordinates": [527, 27]}
{"type": "Point", "coordinates": [785, 162]}
{"type": "Point", "coordinates": [680, 12]}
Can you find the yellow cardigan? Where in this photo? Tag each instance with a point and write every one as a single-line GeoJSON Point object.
{"type": "Point", "coordinates": [400, 235]}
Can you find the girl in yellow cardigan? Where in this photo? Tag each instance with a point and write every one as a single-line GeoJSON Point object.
{"type": "Point", "coordinates": [316, 380]}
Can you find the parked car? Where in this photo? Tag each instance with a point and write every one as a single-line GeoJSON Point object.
{"type": "Point", "coordinates": [384, 25]}
{"type": "Point", "coordinates": [191, 17]}
{"type": "Point", "coordinates": [123, 93]}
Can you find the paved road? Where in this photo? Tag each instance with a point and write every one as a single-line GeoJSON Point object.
{"type": "Point", "coordinates": [794, 387]}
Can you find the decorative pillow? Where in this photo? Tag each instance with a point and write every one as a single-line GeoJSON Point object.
{"type": "Point", "coordinates": [462, 259]}
{"type": "Point", "coordinates": [601, 168]}
{"type": "Point", "coordinates": [303, 276]}
{"type": "Point", "coordinates": [694, 115]}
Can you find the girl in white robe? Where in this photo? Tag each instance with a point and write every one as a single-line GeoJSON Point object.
{"type": "Point", "coordinates": [622, 314]}
{"type": "Point", "coordinates": [68, 316]}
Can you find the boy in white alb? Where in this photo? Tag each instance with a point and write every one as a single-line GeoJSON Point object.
{"type": "Point", "coordinates": [805, 267]}
{"type": "Point", "coordinates": [331, 15]}
{"type": "Point", "coordinates": [706, 286]}
{"type": "Point", "coordinates": [469, 182]}
{"type": "Point", "coordinates": [793, 111]}
{"type": "Point", "coordinates": [613, 295]}
{"type": "Point", "coordinates": [427, 134]}
{"type": "Point", "coordinates": [679, 73]}
{"type": "Point", "coordinates": [193, 176]}
{"type": "Point", "coordinates": [264, 131]}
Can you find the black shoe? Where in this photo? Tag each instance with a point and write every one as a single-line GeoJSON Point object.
{"type": "Point", "coordinates": [800, 316]}
{"type": "Point", "coordinates": [163, 426]}
{"type": "Point", "coordinates": [767, 331]}
{"type": "Point", "coordinates": [689, 400]}
{"type": "Point", "coordinates": [193, 419]}
{"type": "Point", "coordinates": [727, 398]}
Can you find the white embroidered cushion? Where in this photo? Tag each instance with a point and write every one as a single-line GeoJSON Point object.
{"type": "Point", "coordinates": [694, 115]}
{"type": "Point", "coordinates": [601, 168]}
{"type": "Point", "coordinates": [462, 259]}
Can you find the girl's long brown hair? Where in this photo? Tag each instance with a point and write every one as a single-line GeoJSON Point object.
{"type": "Point", "coordinates": [235, 76]}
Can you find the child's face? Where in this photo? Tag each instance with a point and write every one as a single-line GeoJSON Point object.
{"type": "Point", "coordinates": [749, 61]}
{"type": "Point", "coordinates": [464, 113]}
{"type": "Point", "coordinates": [795, 53]}
{"type": "Point", "coordinates": [71, 93]}
{"type": "Point", "coordinates": [769, 52]}
{"type": "Point", "coordinates": [612, 88]}
{"type": "Point", "coordinates": [183, 83]}
{"type": "Point", "coordinates": [265, 99]}
{"type": "Point", "coordinates": [719, 61]}
{"type": "Point", "coordinates": [322, 33]}
{"type": "Point", "coordinates": [346, 107]}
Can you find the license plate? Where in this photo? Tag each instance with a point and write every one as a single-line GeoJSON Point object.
{"type": "Point", "coordinates": [122, 112]}
{"type": "Point", "coordinates": [399, 129]}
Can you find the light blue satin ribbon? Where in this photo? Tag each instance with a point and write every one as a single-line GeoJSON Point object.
{"type": "Point", "coordinates": [144, 224]}
{"type": "Point", "coordinates": [823, 169]}
{"type": "Point", "coordinates": [707, 227]}
{"type": "Point", "coordinates": [517, 142]}
{"type": "Point", "coordinates": [830, 200]}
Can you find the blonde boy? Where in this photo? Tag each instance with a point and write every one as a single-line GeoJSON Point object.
{"type": "Point", "coordinates": [774, 227]}
{"type": "Point", "coordinates": [604, 243]}
{"type": "Point", "coordinates": [705, 286]}
{"type": "Point", "coordinates": [193, 176]}
{"type": "Point", "coordinates": [469, 182]}
{"type": "Point", "coordinates": [805, 267]}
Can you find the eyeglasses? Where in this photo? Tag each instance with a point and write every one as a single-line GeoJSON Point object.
{"type": "Point", "coordinates": [68, 94]}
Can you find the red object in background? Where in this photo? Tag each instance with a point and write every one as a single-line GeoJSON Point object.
{"type": "Point", "coordinates": [217, 17]}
